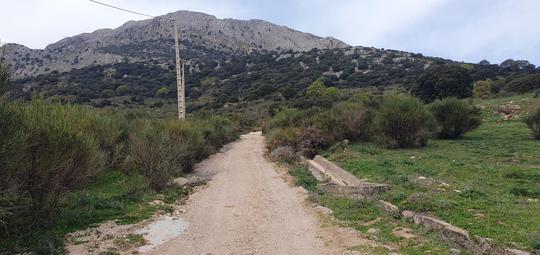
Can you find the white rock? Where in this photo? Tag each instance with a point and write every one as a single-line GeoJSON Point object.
{"type": "Point", "coordinates": [373, 231]}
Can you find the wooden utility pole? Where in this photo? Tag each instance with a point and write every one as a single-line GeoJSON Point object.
{"type": "Point", "coordinates": [179, 77]}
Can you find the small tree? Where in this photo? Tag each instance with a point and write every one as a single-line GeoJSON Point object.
{"type": "Point", "coordinates": [162, 92]}
{"type": "Point", "coordinates": [444, 81]}
{"type": "Point", "coordinates": [316, 89]}
{"type": "Point", "coordinates": [482, 89]}
{"type": "Point", "coordinates": [122, 90]}
{"type": "Point", "coordinates": [533, 122]}
{"type": "Point", "coordinates": [332, 93]}
{"type": "Point", "coordinates": [455, 117]}
{"type": "Point", "coordinates": [403, 122]}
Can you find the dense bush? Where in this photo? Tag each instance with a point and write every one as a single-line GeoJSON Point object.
{"type": "Point", "coordinates": [442, 81]}
{"type": "Point", "coordinates": [308, 131]}
{"type": "Point", "coordinates": [523, 84]}
{"type": "Point", "coordinates": [344, 121]}
{"type": "Point", "coordinates": [310, 140]}
{"type": "Point", "coordinates": [111, 131]}
{"type": "Point", "coordinates": [533, 122]}
{"type": "Point", "coordinates": [11, 154]}
{"type": "Point", "coordinates": [153, 153]}
{"type": "Point", "coordinates": [455, 117]}
{"type": "Point", "coordinates": [482, 89]}
{"type": "Point", "coordinates": [316, 89]}
{"type": "Point", "coordinates": [288, 117]}
{"type": "Point", "coordinates": [46, 152]}
{"type": "Point", "coordinates": [161, 149]}
{"type": "Point", "coordinates": [403, 122]}
{"type": "Point", "coordinates": [216, 131]}
{"type": "Point", "coordinates": [285, 153]}
{"type": "Point", "coordinates": [281, 137]}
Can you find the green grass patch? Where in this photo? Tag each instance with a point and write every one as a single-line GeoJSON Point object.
{"type": "Point", "coordinates": [353, 213]}
{"type": "Point", "coordinates": [303, 178]}
{"type": "Point", "coordinates": [112, 195]}
{"type": "Point", "coordinates": [488, 182]}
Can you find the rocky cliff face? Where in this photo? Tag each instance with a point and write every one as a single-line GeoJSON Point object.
{"type": "Point", "coordinates": [152, 39]}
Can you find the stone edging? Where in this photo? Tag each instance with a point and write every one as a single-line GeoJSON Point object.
{"type": "Point", "coordinates": [337, 181]}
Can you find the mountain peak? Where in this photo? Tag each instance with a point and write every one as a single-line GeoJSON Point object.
{"type": "Point", "coordinates": [198, 29]}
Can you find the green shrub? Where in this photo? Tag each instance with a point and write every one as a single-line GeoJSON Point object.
{"type": "Point", "coordinates": [122, 90]}
{"type": "Point", "coordinates": [217, 131]}
{"type": "Point", "coordinates": [442, 81]}
{"type": "Point", "coordinates": [281, 137]}
{"type": "Point", "coordinates": [533, 122]}
{"type": "Point", "coordinates": [344, 121]}
{"type": "Point", "coordinates": [332, 93]}
{"type": "Point", "coordinates": [111, 131]}
{"type": "Point", "coordinates": [482, 89]}
{"type": "Point", "coordinates": [287, 117]}
{"type": "Point", "coordinates": [54, 155]}
{"type": "Point", "coordinates": [316, 89]}
{"type": "Point", "coordinates": [310, 140]}
{"type": "Point", "coordinates": [152, 152]}
{"type": "Point", "coordinates": [162, 92]}
{"type": "Point", "coordinates": [187, 144]}
{"type": "Point", "coordinates": [523, 84]}
{"type": "Point", "coordinates": [455, 117]}
{"type": "Point", "coordinates": [403, 122]}
{"type": "Point", "coordinates": [11, 154]}
{"type": "Point", "coordinates": [163, 149]}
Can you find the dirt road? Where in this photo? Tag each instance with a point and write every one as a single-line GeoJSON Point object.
{"type": "Point", "coordinates": [247, 208]}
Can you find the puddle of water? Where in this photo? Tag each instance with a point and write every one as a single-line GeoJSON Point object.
{"type": "Point", "coordinates": [161, 231]}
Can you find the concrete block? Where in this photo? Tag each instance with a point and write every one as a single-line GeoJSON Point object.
{"type": "Point", "coordinates": [388, 207]}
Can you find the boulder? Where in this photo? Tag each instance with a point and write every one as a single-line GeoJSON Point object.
{"type": "Point", "coordinates": [180, 182]}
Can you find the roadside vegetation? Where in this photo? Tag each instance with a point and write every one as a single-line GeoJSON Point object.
{"type": "Point", "coordinates": [68, 167]}
{"type": "Point", "coordinates": [487, 182]}
{"type": "Point", "coordinates": [73, 155]}
{"type": "Point", "coordinates": [472, 162]}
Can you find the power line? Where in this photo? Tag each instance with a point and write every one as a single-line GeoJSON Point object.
{"type": "Point", "coordinates": [130, 11]}
{"type": "Point", "coordinates": [180, 78]}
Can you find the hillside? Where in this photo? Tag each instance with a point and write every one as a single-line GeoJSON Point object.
{"type": "Point", "coordinates": [227, 62]}
{"type": "Point", "coordinates": [152, 39]}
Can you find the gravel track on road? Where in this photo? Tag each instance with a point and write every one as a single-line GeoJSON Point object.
{"type": "Point", "coordinates": [247, 208]}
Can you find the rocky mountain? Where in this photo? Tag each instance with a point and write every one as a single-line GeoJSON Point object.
{"type": "Point", "coordinates": [137, 41]}
{"type": "Point", "coordinates": [227, 62]}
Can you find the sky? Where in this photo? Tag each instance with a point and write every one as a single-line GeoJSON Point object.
{"type": "Point", "coordinates": [462, 30]}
